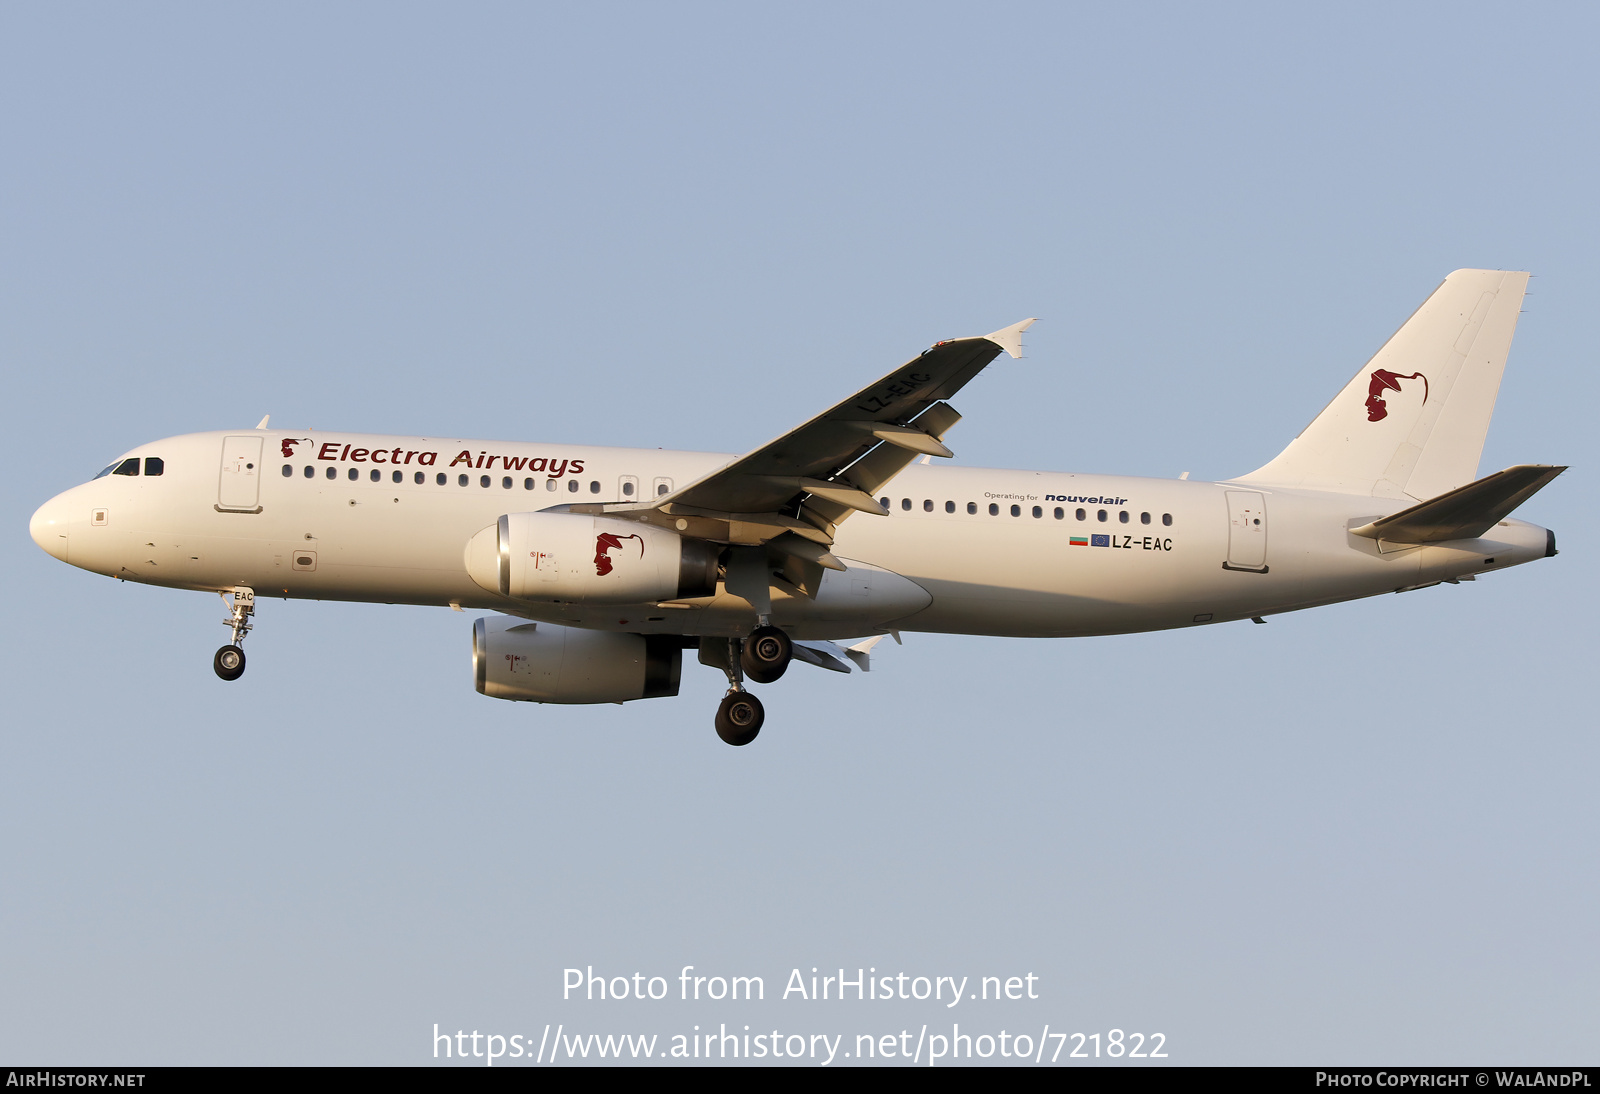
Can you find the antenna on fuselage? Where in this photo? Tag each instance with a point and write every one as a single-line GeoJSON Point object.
{"type": "Point", "coordinates": [262, 424]}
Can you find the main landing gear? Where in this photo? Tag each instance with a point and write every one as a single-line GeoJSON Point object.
{"type": "Point", "coordinates": [762, 657]}
{"type": "Point", "coordinates": [229, 660]}
{"type": "Point", "coordinates": [766, 654]}
{"type": "Point", "coordinates": [739, 717]}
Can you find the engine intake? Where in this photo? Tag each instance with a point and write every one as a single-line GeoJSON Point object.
{"type": "Point", "coordinates": [546, 663]}
{"type": "Point", "coordinates": [578, 558]}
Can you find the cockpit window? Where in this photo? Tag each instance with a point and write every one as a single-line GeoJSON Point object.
{"type": "Point", "coordinates": [129, 466]}
{"type": "Point", "coordinates": [107, 471]}
{"type": "Point", "coordinates": [153, 465]}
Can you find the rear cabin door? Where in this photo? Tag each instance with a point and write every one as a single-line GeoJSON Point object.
{"type": "Point", "coordinates": [1247, 531]}
{"type": "Point", "coordinates": [239, 489]}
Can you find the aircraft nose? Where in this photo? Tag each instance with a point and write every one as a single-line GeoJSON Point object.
{"type": "Point", "coordinates": [49, 529]}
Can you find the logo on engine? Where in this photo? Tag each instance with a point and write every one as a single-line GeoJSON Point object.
{"type": "Point", "coordinates": [604, 544]}
{"type": "Point", "coordinates": [1384, 380]}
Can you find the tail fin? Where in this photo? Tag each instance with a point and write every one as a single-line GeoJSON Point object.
{"type": "Point", "coordinates": [1413, 421]}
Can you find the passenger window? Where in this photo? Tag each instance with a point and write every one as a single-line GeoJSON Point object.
{"type": "Point", "coordinates": [1166, 518]}
{"type": "Point", "coordinates": [398, 477]}
{"type": "Point", "coordinates": [905, 503]}
{"type": "Point", "coordinates": [1144, 518]}
{"type": "Point", "coordinates": [419, 478]}
{"type": "Point", "coordinates": [354, 474]}
{"type": "Point", "coordinates": [949, 507]}
{"type": "Point", "coordinates": [505, 483]}
{"type": "Point", "coordinates": [572, 486]}
{"type": "Point", "coordinates": [461, 480]}
{"type": "Point", "coordinates": [927, 505]}
{"type": "Point", "coordinates": [1122, 516]}
{"type": "Point", "coordinates": [994, 510]}
{"type": "Point", "coordinates": [1037, 512]}
{"type": "Point", "coordinates": [627, 489]}
{"type": "Point", "coordinates": [972, 508]}
{"type": "Point", "coordinates": [1016, 510]}
{"type": "Point", "coordinates": [549, 484]}
{"type": "Point", "coordinates": [375, 475]}
{"type": "Point", "coordinates": [333, 472]}
{"type": "Point", "coordinates": [440, 479]}
{"type": "Point", "coordinates": [127, 467]}
{"type": "Point", "coordinates": [594, 486]}
{"type": "Point", "coordinates": [311, 472]}
{"type": "Point", "coordinates": [153, 465]}
{"type": "Point", "coordinates": [483, 481]}
{"type": "Point", "coordinates": [1081, 515]}
{"type": "Point", "coordinates": [287, 471]}
{"type": "Point", "coordinates": [527, 484]}
{"type": "Point", "coordinates": [661, 489]}
{"type": "Point", "coordinates": [1060, 513]}
{"type": "Point", "coordinates": [1100, 516]}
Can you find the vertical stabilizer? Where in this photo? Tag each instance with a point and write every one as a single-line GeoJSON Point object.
{"type": "Point", "coordinates": [1412, 422]}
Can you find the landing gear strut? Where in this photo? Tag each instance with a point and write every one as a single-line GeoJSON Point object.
{"type": "Point", "coordinates": [229, 660]}
{"type": "Point", "coordinates": [739, 715]}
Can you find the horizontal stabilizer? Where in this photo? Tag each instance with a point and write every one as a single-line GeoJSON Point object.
{"type": "Point", "coordinates": [1466, 512]}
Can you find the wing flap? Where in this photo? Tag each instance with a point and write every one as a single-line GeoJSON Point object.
{"type": "Point", "coordinates": [831, 466]}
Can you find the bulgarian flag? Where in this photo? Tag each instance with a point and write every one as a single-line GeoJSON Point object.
{"type": "Point", "coordinates": [1080, 541]}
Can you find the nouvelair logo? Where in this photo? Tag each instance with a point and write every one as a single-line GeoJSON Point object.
{"type": "Point", "coordinates": [1383, 380]}
{"type": "Point", "coordinates": [605, 543]}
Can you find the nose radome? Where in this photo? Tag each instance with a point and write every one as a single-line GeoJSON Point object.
{"type": "Point", "coordinates": [49, 530]}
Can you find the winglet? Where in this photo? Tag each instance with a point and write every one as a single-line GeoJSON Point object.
{"type": "Point", "coordinates": [1010, 338]}
{"type": "Point", "coordinates": [262, 424]}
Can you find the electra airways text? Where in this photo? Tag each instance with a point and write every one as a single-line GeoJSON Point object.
{"type": "Point", "coordinates": [606, 564]}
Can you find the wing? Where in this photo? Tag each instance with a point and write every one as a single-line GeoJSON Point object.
{"type": "Point", "coordinates": [801, 485]}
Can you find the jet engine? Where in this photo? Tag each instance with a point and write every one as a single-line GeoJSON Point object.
{"type": "Point", "coordinates": [545, 663]}
{"type": "Point", "coordinates": [577, 558]}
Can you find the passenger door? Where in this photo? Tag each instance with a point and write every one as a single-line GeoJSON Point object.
{"type": "Point", "coordinates": [1247, 532]}
{"type": "Point", "coordinates": [239, 488]}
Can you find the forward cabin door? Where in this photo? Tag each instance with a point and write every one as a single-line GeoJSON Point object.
{"type": "Point", "coordinates": [239, 490]}
{"type": "Point", "coordinates": [1247, 532]}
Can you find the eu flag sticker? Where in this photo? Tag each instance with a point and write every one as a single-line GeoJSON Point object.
{"type": "Point", "coordinates": [1099, 541]}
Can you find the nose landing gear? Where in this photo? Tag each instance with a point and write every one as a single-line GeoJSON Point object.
{"type": "Point", "coordinates": [229, 660]}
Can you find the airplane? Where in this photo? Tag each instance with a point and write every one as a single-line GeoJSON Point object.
{"type": "Point", "coordinates": [606, 564]}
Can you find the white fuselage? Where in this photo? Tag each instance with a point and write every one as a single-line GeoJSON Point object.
{"type": "Point", "coordinates": [976, 550]}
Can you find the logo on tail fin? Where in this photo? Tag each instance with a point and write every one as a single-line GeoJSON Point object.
{"type": "Point", "coordinates": [1384, 380]}
{"type": "Point", "coordinates": [604, 543]}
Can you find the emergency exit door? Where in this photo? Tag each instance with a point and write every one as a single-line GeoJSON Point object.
{"type": "Point", "coordinates": [239, 489]}
{"type": "Point", "coordinates": [1247, 532]}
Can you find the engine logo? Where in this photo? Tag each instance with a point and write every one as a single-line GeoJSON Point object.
{"type": "Point", "coordinates": [1384, 380]}
{"type": "Point", "coordinates": [604, 544]}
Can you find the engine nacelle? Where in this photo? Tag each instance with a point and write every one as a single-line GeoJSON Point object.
{"type": "Point", "coordinates": [546, 663]}
{"type": "Point", "coordinates": [578, 558]}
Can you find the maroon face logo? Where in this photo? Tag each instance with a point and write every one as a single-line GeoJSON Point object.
{"type": "Point", "coordinates": [1383, 380]}
{"type": "Point", "coordinates": [288, 447]}
{"type": "Point", "coordinates": [605, 543]}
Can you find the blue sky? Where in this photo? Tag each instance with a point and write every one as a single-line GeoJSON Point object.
{"type": "Point", "coordinates": [1361, 834]}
